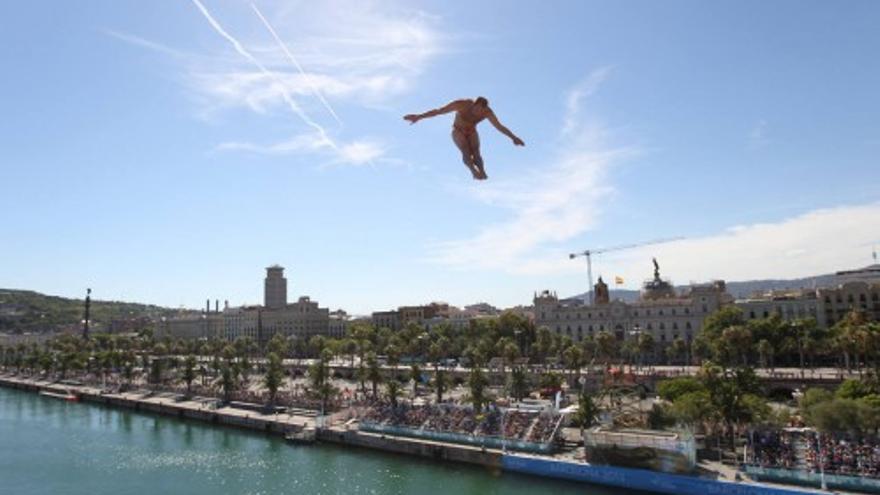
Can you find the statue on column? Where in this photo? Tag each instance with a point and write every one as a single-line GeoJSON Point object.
{"type": "Point", "coordinates": [656, 269]}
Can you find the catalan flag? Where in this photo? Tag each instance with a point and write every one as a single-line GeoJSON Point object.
{"type": "Point", "coordinates": [618, 280]}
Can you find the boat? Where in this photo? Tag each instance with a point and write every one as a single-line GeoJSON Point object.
{"type": "Point", "coordinates": [302, 436]}
{"type": "Point", "coordinates": [63, 395]}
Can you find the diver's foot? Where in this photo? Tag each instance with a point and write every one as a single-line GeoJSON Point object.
{"type": "Point", "coordinates": [481, 175]}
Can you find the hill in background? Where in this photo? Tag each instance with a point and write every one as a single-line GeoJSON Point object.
{"type": "Point", "coordinates": [28, 311]}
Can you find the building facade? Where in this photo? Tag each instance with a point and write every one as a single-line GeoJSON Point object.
{"type": "Point", "coordinates": [660, 311]}
{"type": "Point", "coordinates": [303, 318]}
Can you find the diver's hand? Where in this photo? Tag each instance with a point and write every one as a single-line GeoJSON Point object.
{"type": "Point", "coordinates": [412, 118]}
{"type": "Point", "coordinates": [518, 142]}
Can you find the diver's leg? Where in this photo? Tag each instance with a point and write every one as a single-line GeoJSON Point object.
{"type": "Point", "coordinates": [461, 142]}
{"type": "Point", "coordinates": [474, 142]}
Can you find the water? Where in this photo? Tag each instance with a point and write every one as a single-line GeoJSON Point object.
{"type": "Point", "coordinates": [48, 446]}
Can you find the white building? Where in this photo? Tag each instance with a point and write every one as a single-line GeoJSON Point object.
{"type": "Point", "coordinates": [659, 311]}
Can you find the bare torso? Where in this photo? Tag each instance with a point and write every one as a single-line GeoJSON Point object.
{"type": "Point", "coordinates": [468, 115]}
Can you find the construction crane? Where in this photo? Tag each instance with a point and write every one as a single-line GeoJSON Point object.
{"type": "Point", "coordinates": [590, 252]}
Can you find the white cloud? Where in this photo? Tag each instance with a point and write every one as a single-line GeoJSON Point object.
{"type": "Point", "coordinates": [357, 52]}
{"type": "Point", "coordinates": [812, 243]}
{"type": "Point", "coordinates": [586, 88]}
{"type": "Point", "coordinates": [558, 203]}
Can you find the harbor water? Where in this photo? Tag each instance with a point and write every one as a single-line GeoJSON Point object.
{"type": "Point", "coordinates": [49, 446]}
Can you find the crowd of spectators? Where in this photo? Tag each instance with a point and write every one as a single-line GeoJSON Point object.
{"type": "Point", "coordinates": [492, 422]}
{"type": "Point", "coordinates": [806, 449]}
{"type": "Point", "coordinates": [773, 449]}
{"type": "Point", "coordinates": [842, 456]}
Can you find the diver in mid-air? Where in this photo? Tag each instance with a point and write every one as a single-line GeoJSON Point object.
{"type": "Point", "coordinates": [469, 113]}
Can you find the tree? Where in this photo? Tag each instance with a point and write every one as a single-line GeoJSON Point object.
{"type": "Point", "coordinates": [189, 373]}
{"type": "Point", "coordinates": [849, 333]}
{"type": "Point", "coordinates": [674, 388]}
{"type": "Point", "coordinates": [646, 346]}
{"type": "Point", "coordinates": [587, 412]}
{"type": "Point", "coordinates": [415, 374]}
{"type": "Point", "coordinates": [392, 390]}
{"type": "Point", "coordinates": [477, 384]}
{"type": "Point", "coordinates": [678, 350]}
{"type": "Point", "coordinates": [607, 346]}
{"type": "Point", "coordinates": [735, 341]}
{"type": "Point", "coordinates": [519, 383]}
{"type": "Point", "coordinates": [274, 376]}
{"type": "Point", "coordinates": [573, 357]}
{"type": "Point", "coordinates": [227, 381]}
{"type": "Point", "coordinates": [440, 383]}
{"type": "Point", "coordinates": [374, 373]}
{"type": "Point", "coordinates": [765, 351]}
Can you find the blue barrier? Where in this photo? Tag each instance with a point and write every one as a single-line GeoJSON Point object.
{"type": "Point", "coordinates": [849, 483]}
{"type": "Point", "coordinates": [636, 479]}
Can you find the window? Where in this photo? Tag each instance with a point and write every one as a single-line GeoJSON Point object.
{"type": "Point", "coordinates": [752, 314]}
{"type": "Point", "coordinates": [650, 327]}
{"type": "Point", "coordinates": [661, 312]}
{"type": "Point", "coordinates": [688, 326]}
{"type": "Point", "coordinates": [673, 311]}
{"type": "Point", "coordinates": [662, 326]}
{"type": "Point", "coordinates": [675, 326]}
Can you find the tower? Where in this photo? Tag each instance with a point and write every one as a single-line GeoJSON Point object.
{"type": "Point", "coordinates": [275, 289]}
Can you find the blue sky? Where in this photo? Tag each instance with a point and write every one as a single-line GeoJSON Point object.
{"type": "Point", "coordinates": [147, 158]}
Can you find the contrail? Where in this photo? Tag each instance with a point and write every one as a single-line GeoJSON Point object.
{"type": "Point", "coordinates": [290, 56]}
{"type": "Point", "coordinates": [243, 52]}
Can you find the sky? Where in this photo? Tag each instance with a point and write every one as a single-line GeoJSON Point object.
{"type": "Point", "coordinates": [167, 152]}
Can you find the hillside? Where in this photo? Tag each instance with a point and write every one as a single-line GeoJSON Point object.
{"type": "Point", "coordinates": [29, 311]}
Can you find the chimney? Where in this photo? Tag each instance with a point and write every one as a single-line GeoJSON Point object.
{"type": "Point", "coordinates": [226, 304]}
{"type": "Point", "coordinates": [207, 306]}
{"type": "Point", "coordinates": [216, 305]}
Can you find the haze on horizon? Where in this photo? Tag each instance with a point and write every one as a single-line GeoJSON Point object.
{"type": "Point", "coordinates": [167, 153]}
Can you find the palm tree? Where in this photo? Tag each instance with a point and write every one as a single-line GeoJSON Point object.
{"type": "Point", "coordinates": [374, 373]}
{"type": "Point", "coordinates": [646, 346]}
{"type": "Point", "coordinates": [765, 351]}
{"type": "Point", "coordinates": [477, 383]}
{"type": "Point", "coordinates": [274, 376]}
{"type": "Point", "coordinates": [189, 372]}
{"type": "Point", "coordinates": [519, 383]}
{"type": "Point", "coordinates": [415, 374]}
{"type": "Point", "coordinates": [440, 383]}
{"type": "Point", "coordinates": [392, 390]}
{"type": "Point", "coordinates": [607, 346]}
{"type": "Point", "coordinates": [573, 358]}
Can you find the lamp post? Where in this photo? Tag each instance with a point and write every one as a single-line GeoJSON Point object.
{"type": "Point", "coordinates": [86, 319]}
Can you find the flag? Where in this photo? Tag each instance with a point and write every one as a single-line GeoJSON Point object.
{"type": "Point", "coordinates": [618, 280]}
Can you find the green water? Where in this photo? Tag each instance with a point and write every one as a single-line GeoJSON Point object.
{"type": "Point", "coordinates": [48, 446]}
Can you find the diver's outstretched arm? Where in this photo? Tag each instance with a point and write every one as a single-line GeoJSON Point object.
{"type": "Point", "coordinates": [449, 107]}
{"type": "Point", "coordinates": [504, 130]}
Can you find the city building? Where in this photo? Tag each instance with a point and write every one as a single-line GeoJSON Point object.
{"type": "Point", "coordinates": [789, 305]}
{"type": "Point", "coordinates": [303, 318]}
{"type": "Point", "coordinates": [660, 311]}
{"type": "Point", "coordinates": [851, 289]}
